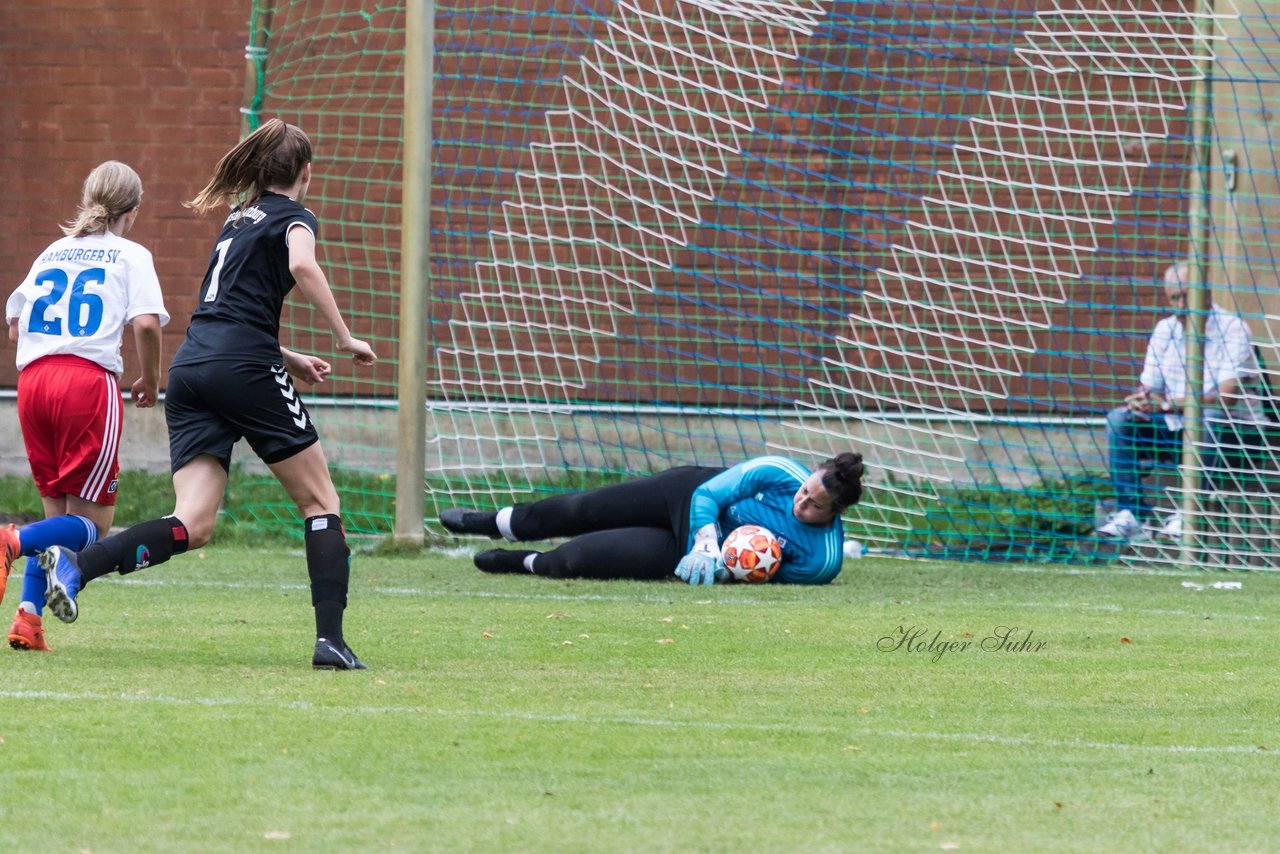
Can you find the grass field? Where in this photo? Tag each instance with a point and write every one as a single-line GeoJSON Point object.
{"type": "Point", "coordinates": [512, 713]}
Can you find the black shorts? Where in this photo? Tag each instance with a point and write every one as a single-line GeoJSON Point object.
{"type": "Point", "coordinates": [212, 405]}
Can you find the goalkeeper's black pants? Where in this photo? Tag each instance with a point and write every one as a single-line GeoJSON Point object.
{"type": "Point", "coordinates": [635, 529]}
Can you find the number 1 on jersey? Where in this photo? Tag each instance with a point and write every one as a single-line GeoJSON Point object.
{"type": "Point", "coordinates": [221, 249]}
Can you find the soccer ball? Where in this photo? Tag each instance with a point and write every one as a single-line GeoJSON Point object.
{"type": "Point", "coordinates": [751, 554]}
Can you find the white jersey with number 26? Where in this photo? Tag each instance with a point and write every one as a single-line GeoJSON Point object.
{"type": "Point", "coordinates": [78, 296]}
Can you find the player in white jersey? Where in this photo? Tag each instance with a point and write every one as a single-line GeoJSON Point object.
{"type": "Point", "coordinates": [68, 318]}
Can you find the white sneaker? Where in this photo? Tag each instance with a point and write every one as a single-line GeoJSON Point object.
{"type": "Point", "coordinates": [1122, 525]}
{"type": "Point", "coordinates": [1172, 527]}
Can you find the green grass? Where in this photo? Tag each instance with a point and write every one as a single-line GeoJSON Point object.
{"type": "Point", "coordinates": [255, 506]}
{"type": "Point", "coordinates": [512, 713]}
{"type": "Point", "coordinates": [1050, 521]}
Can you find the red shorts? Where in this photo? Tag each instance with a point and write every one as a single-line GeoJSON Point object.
{"type": "Point", "coordinates": [71, 412]}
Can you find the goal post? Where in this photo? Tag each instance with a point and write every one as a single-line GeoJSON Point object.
{"type": "Point", "coordinates": [415, 271]}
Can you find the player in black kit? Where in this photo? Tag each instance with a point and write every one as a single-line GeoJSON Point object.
{"type": "Point", "coordinates": [232, 379]}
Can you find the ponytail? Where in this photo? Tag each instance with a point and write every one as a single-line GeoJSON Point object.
{"type": "Point", "coordinates": [111, 191]}
{"type": "Point", "coordinates": [272, 156]}
{"type": "Point", "coordinates": [842, 479]}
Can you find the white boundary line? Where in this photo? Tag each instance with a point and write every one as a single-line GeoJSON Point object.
{"type": "Point", "coordinates": [611, 720]}
{"type": "Point", "coordinates": [675, 600]}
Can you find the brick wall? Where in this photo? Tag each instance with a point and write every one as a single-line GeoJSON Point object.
{"type": "Point", "coordinates": [156, 84]}
{"type": "Point", "coordinates": [852, 140]}
{"type": "Point", "coordinates": [159, 85]}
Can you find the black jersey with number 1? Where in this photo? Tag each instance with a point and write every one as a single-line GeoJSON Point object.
{"type": "Point", "coordinates": [238, 316]}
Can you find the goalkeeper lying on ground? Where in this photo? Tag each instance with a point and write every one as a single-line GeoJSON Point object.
{"type": "Point", "coordinates": [670, 522]}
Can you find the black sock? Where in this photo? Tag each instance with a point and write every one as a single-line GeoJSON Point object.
{"type": "Point", "coordinates": [329, 566]}
{"type": "Point", "coordinates": [145, 544]}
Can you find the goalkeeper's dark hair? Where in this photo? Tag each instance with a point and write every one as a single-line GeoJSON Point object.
{"type": "Point", "coordinates": [842, 479]}
{"type": "Point", "coordinates": [271, 156]}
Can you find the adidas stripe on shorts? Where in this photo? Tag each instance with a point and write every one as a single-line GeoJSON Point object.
{"type": "Point", "coordinates": [71, 413]}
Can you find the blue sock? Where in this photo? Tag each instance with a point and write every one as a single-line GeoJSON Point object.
{"type": "Point", "coordinates": [33, 584]}
{"type": "Point", "coordinates": [71, 532]}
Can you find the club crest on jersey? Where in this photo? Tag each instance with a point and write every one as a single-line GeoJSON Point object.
{"type": "Point", "coordinates": [111, 487]}
{"type": "Point", "coordinates": [143, 559]}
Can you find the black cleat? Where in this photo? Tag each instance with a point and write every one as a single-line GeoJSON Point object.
{"type": "Point", "coordinates": [503, 561]}
{"type": "Point", "coordinates": [331, 656]}
{"type": "Point", "coordinates": [460, 520]}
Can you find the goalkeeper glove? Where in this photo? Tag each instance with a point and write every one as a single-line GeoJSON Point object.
{"type": "Point", "coordinates": [702, 563]}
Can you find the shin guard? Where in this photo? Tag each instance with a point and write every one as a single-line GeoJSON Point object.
{"type": "Point", "coordinates": [329, 567]}
{"type": "Point", "coordinates": [145, 544]}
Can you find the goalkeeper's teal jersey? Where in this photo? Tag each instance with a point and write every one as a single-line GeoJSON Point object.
{"type": "Point", "coordinates": [762, 492]}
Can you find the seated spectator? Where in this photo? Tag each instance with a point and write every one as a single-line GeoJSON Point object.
{"type": "Point", "coordinates": [1150, 425]}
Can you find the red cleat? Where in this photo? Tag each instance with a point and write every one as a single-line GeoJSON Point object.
{"type": "Point", "coordinates": [10, 550]}
{"type": "Point", "coordinates": [27, 633]}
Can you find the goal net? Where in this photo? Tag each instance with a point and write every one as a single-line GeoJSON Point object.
{"type": "Point", "coordinates": [696, 231]}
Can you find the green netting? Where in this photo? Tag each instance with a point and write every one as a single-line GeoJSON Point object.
{"type": "Point", "coordinates": [698, 231]}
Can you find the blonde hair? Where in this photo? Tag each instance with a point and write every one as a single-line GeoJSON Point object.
{"type": "Point", "coordinates": [272, 156]}
{"type": "Point", "coordinates": [111, 191]}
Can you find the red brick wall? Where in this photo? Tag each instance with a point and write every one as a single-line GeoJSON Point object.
{"type": "Point", "coordinates": [160, 86]}
{"type": "Point", "coordinates": [840, 191]}
{"type": "Point", "coordinates": [156, 84]}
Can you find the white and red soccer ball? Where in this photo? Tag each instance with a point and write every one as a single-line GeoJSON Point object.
{"type": "Point", "coordinates": [751, 554]}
